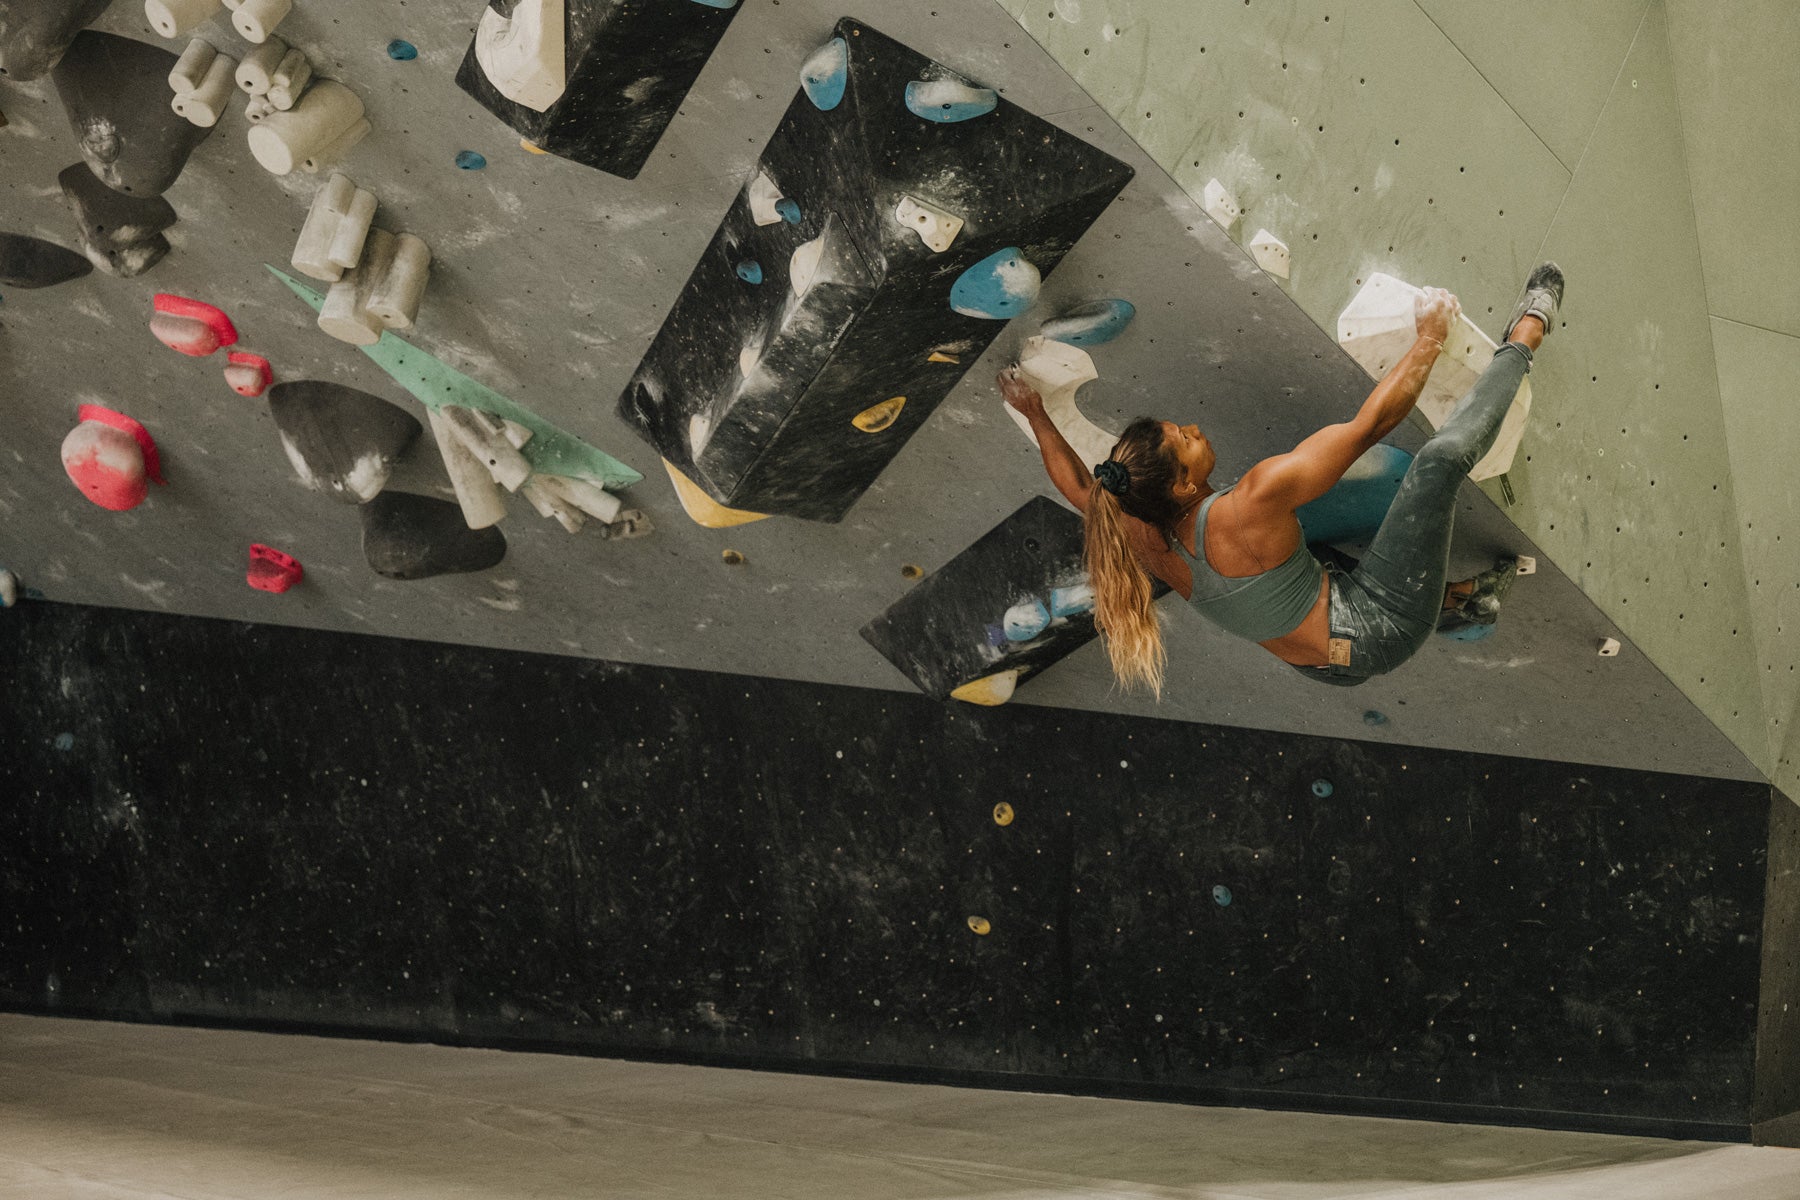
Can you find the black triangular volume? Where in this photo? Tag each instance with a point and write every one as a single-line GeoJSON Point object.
{"type": "Point", "coordinates": [35, 33]}
{"type": "Point", "coordinates": [29, 262]}
{"type": "Point", "coordinates": [116, 92]}
{"type": "Point", "coordinates": [415, 537]}
{"type": "Point", "coordinates": [720, 394]}
{"type": "Point", "coordinates": [340, 441]}
{"type": "Point", "coordinates": [121, 234]}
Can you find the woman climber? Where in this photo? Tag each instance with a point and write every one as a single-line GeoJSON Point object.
{"type": "Point", "coordinates": [1237, 554]}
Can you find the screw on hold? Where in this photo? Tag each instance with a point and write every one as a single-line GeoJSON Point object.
{"type": "Point", "coordinates": [1321, 788]}
{"type": "Point", "coordinates": [469, 160]}
{"type": "Point", "coordinates": [979, 926]}
{"type": "Point", "coordinates": [788, 210]}
{"type": "Point", "coordinates": [1221, 895]}
{"type": "Point", "coordinates": [1373, 717]}
{"type": "Point", "coordinates": [65, 741]}
{"type": "Point", "coordinates": [401, 50]}
{"type": "Point", "coordinates": [1003, 813]}
{"type": "Point", "coordinates": [750, 271]}
{"type": "Point", "coordinates": [911, 571]}
{"type": "Point", "coordinates": [732, 558]}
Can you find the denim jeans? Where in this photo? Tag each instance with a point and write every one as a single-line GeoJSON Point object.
{"type": "Point", "coordinates": [1389, 604]}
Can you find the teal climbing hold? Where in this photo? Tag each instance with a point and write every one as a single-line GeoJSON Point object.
{"type": "Point", "coordinates": [750, 271]}
{"type": "Point", "coordinates": [1354, 507]}
{"type": "Point", "coordinates": [826, 74]}
{"type": "Point", "coordinates": [469, 160]}
{"type": "Point", "coordinates": [718, 3]}
{"type": "Point", "coordinates": [1221, 895]}
{"type": "Point", "coordinates": [401, 50]}
{"type": "Point", "coordinates": [551, 451]}
{"type": "Point", "coordinates": [788, 210]}
{"type": "Point", "coordinates": [1322, 788]}
{"type": "Point", "coordinates": [998, 288]}
{"type": "Point", "coordinates": [1092, 324]}
{"type": "Point", "coordinates": [1025, 621]}
{"type": "Point", "coordinates": [947, 102]}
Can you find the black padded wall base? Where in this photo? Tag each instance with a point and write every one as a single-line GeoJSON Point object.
{"type": "Point", "coordinates": [751, 388]}
{"type": "Point", "coordinates": [630, 65]}
{"type": "Point", "coordinates": [116, 93]}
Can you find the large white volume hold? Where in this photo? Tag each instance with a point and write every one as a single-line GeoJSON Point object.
{"type": "Point", "coordinates": [345, 314]}
{"type": "Point", "coordinates": [177, 18]}
{"type": "Point", "coordinates": [476, 490]}
{"type": "Point", "coordinates": [522, 55]}
{"type": "Point", "coordinates": [1220, 204]}
{"type": "Point", "coordinates": [255, 20]}
{"type": "Point", "coordinates": [289, 80]}
{"type": "Point", "coordinates": [1377, 328]}
{"type": "Point", "coordinates": [327, 112]}
{"type": "Point", "coordinates": [206, 103]}
{"type": "Point", "coordinates": [312, 252]}
{"type": "Point", "coordinates": [257, 71]}
{"type": "Point", "coordinates": [395, 296]}
{"type": "Point", "coordinates": [1056, 371]}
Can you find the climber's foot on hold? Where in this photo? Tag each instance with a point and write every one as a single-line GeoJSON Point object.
{"type": "Point", "coordinates": [1477, 601]}
{"type": "Point", "coordinates": [1535, 313]}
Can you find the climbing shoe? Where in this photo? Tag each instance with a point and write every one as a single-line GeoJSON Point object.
{"type": "Point", "coordinates": [1542, 298]}
{"type": "Point", "coordinates": [1482, 605]}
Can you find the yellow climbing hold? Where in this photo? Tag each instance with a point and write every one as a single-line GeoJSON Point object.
{"type": "Point", "coordinates": [980, 926]}
{"type": "Point", "coordinates": [704, 510]}
{"type": "Point", "coordinates": [878, 417]}
{"type": "Point", "coordinates": [990, 690]}
{"type": "Point", "coordinates": [1003, 813]}
{"type": "Point", "coordinates": [534, 149]}
{"type": "Point", "coordinates": [939, 356]}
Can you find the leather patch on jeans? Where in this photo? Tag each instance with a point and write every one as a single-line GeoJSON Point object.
{"type": "Point", "coordinates": [1338, 652]}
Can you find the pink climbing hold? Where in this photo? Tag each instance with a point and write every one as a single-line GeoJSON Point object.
{"type": "Point", "coordinates": [111, 458]}
{"type": "Point", "coordinates": [248, 374]}
{"type": "Point", "coordinates": [191, 326]}
{"type": "Point", "coordinates": [271, 570]}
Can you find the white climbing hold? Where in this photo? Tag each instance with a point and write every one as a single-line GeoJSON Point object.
{"type": "Point", "coordinates": [202, 80]}
{"type": "Point", "coordinates": [476, 492]}
{"type": "Point", "coordinates": [334, 150]}
{"type": "Point", "coordinates": [1220, 205]}
{"type": "Point", "coordinates": [256, 72]}
{"type": "Point", "coordinates": [1609, 647]}
{"type": "Point", "coordinates": [9, 588]}
{"type": "Point", "coordinates": [1271, 253]}
{"type": "Point", "coordinates": [177, 18]}
{"type": "Point", "coordinates": [1527, 565]}
{"type": "Point", "coordinates": [313, 130]}
{"type": "Point", "coordinates": [805, 264]}
{"type": "Point", "coordinates": [289, 80]}
{"type": "Point", "coordinates": [255, 20]}
{"type": "Point", "coordinates": [1377, 328]}
{"type": "Point", "coordinates": [523, 55]}
{"type": "Point", "coordinates": [764, 196]}
{"type": "Point", "coordinates": [1056, 371]}
{"type": "Point", "coordinates": [331, 227]}
{"type": "Point", "coordinates": [383, 291]}
{"type": "Point", "coordinates": [399, 289]}
{"type": "Point", "coordinates": [935, 227]}
{"type": "Point", "coordinates": [483, 434]}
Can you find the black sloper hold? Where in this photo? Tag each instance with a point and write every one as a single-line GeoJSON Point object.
{"type": "Point", "coordinates": [341, 441]}
{"type": "Point", "coordinates": [415, 537]}
{"type": "Point", "coordinates": [28, 262]}
{"type": "Point", "coordinates": [34, 33]}
{"type": "Point", "coordinates": [116, 92]}
{"type": "Point", "coordinates": [112, 223]}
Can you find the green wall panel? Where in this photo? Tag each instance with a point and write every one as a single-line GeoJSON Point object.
{"type": "Point", "coordinates": [1552, 61]}
{"type": "Point", "coordinates": [1759, 380]}
{"type": "Point", "coordinates": [1736, 72]}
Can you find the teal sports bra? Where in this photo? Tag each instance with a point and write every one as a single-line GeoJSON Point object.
{"type": "Point", "coordinates": [1256, 607]}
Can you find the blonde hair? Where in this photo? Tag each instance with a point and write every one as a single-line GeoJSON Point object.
{"type": "Point", "coordinates": [1123, 591]}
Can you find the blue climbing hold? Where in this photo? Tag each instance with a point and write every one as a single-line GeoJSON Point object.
{"type": "Point", "coordinates": [1469, 633]}
{"type": "Point", "coordinates": [788, 210]}
{"type": "Point", "coordinates": [946, 101]}
{"type": "Point", "coordinates": [1091, 324]}
{"type": "Point", "coordinates": [750, 271]}
{"type": "Point", "coordinates": [1221, 895]}
{"type": "Point", "coordinates": [65, 741]}
{"type": "Point", "coordinates": [826, 74]}
{"type": "Point", "coordinates": [1354, 507]}
{"type": "Point", "coordinates": [401, 50]}
{"type": "Point", "coordinates": [1025, 621]}
{"type": "Point", "coordinates": [1072, 601]}
{"type": "Point", "coordinates": [1373, 717]}
{"type": "Point", "coordinates": [998, 288]}
{"type": "Point", "coordinates": [468, 160]}
{"type": "Point", "coordinates": [1322, 788]}
{"type": "Point", "coordinates": [718, 3]}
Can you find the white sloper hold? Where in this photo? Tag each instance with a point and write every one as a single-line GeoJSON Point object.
{"type": "Point", "coordinates": [523, 55]}
{"type": "Point", "coordinates": [764, 196]}
{"type": "Point", "coordinates": [935, 227]}
{"type": "Point", "coordinates": [1056, 371]}
{"type": "Point", "coordinates": [1377, 328]}
{"type": "Point", "coordinates": [1270, 253]}
{"type": "Point", "coordinates": [1220, 205]}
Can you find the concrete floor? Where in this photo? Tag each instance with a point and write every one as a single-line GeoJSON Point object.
{"type": "Point", "coordinates": [101, 1111]}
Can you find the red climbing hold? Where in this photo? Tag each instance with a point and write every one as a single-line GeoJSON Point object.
{"type": "Point", "coordinates": [191, 326]}
{"type": "Point", "coordinates": [111, 458]}
{"type": "Point", "coordinates": [248, 374]}
{"type": "Point", "coordinates": [271, 570]}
